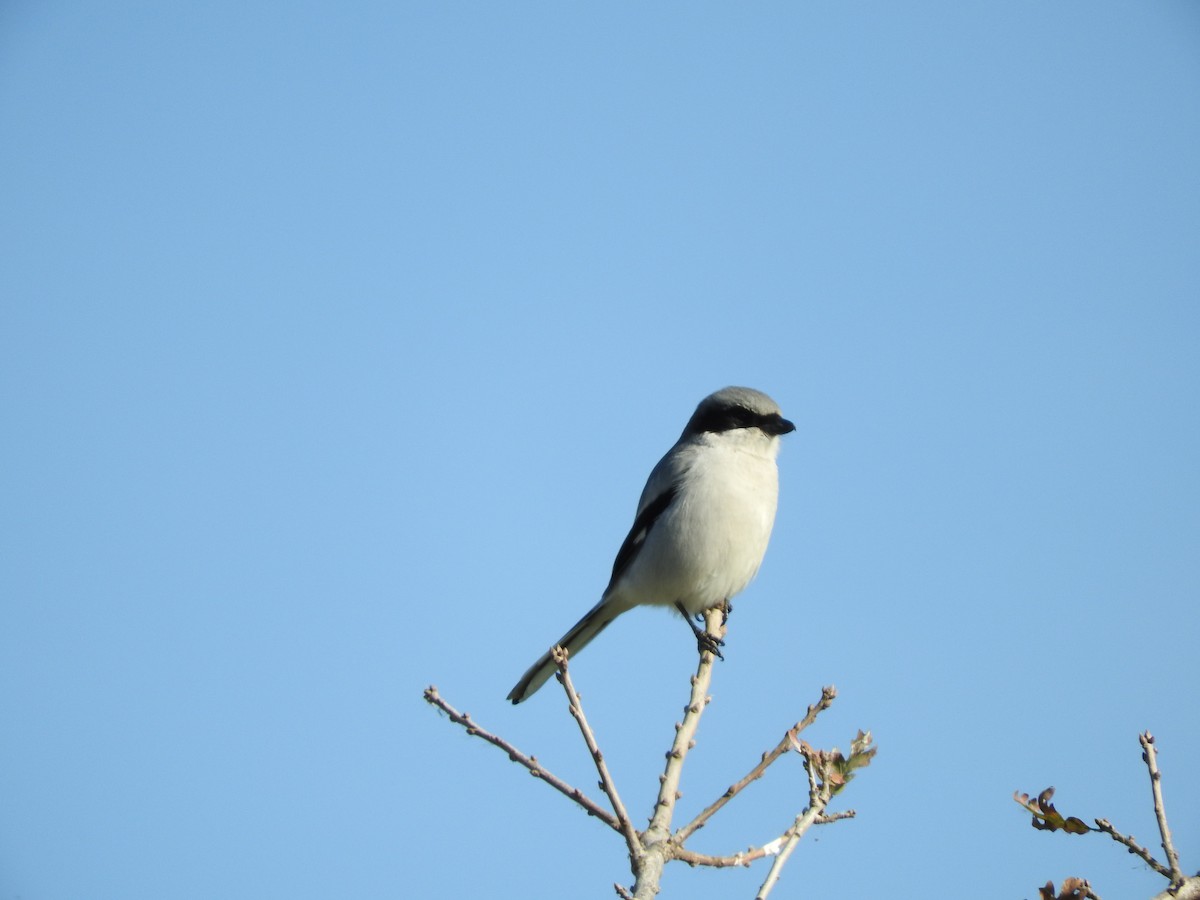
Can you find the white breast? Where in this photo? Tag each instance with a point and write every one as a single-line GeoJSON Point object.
{"type": "Point", "coordinates": [709, 544]}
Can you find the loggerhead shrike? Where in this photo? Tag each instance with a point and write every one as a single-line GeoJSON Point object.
{"type": "Point", "coordinates": [702, 523]}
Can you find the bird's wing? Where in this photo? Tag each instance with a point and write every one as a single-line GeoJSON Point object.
{"type": "Point", "coordinates": [637, 534]}
{"type": "Point", "coordinates": [662, 488]}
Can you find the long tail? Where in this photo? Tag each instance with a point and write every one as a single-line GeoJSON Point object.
{"type": "Point", "coordinates": [576, 639]}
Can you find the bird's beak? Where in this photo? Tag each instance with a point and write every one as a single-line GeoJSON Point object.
{"type": "Point", "coordinates": [781, 426]}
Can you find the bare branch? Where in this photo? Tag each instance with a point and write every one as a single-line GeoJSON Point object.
{"type": "Point", "coordinates": [649, 851]}
{"type": "Point", "coordinates": [829, 818]}
{"type": "Point", "coordinates": [746, 857]}
{"type": "Point", "coordinates": [1188, 889]}
{"type": "Point", "coordinates": [1150, 757]}
{"type": "Point", "coordinates": [685, 732]}
{"type": "Point", "coordinates": [790, 843]}
{"type": "Point", "coordinates": [1134, 847]}
{"type": "Point", "coordinates": [827, 697]}
{"type": "Point", "coordinates": [529, 762]}
{"type": "Point", "coordinates": [656, 838]}
{"type": "Point", "coordinates": [819, 792]}
{"type": "Point", "coordinates": [559, 655]}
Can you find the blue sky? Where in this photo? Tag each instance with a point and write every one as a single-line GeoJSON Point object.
{"type": "Point", "coordinates": [336, 344]}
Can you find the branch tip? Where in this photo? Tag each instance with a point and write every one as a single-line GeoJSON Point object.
{"type": "Point", "coordinates": [529, 762]}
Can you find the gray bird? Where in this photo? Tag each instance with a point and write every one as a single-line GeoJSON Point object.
{"type": "Point", "coordinates": [702, 524]}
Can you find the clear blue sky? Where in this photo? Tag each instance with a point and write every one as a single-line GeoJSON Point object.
{"type": "Point", "coordinates": [337, 341]}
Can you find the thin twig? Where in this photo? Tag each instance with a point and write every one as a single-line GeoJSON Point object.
{"type": "Point", "coordinates": [746, 857]}
{"type": "Point", "coordinates": [656, 839]}
{"type": "Point", "coordinates": [1150, 757]}
{"type": "Point", "coordinates": [559, 655]}
{"type": "Point", "coordinates": [829, 818]}
{"type": "Point", "coordinates": [685, 731]}
{"type": "Point", "coordinates": [806, 819]}
{"type": "Point", "coordinates": [818, 798]}
{"type": "Point", "coordinates": [622, 892]}
{"type": "Point", "coordinates": [1134, 847]}
{"type": "Point", "coordinates": [827, 697]}
{"type": "Point", "coordinates": [529, 762]}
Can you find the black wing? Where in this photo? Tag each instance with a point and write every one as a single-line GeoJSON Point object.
{"type": "Point", "coordinates": [637, 534]}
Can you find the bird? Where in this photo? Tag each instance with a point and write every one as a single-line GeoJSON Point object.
{"type": "Point", "coordinates": [702, 524]}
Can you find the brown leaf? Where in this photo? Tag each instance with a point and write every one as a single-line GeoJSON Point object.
{"type": "Point", "coordinates": [1072, 889]}
{"type": "Point", "coordinates": [1046, 817]}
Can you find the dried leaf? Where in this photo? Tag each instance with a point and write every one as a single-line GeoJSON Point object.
{"type": "Point", "coordinates": [1072, 889]}
{"type": "Point", "coordinates": [1075, 887]}
{"type": "Point", "coordinates": [1046, 817]}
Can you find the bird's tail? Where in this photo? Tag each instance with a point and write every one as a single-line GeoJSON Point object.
{"type": "Point", "coordinates": [576, 639]}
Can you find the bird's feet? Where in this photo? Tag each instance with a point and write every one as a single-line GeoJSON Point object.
{"type": "Point", "coordinates": [705, 642]}
{"type": "Point", "coordinates": [709, 643]}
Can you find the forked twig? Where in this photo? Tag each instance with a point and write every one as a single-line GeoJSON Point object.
{"type": "Point", "coordinates": [1150, 757]}
{"type": "Point", "coordinates": [529, 762]}
{"type": "Point", "coordinates": [650, 850]}
{"type": "Point", "coordinates": [1134, 847]}
{"type": "Point", "coordinates": [819, 792]}
{"type": "Point", "coordinates": [753, 854]}
{"type": "Point", "coordinates": [1047, 818]}
{"type": "Point", "coordinates": [828, 694]}
{"type": "Point", "coordinates": [632, 840]}
{"type": "Point", "coordinates": [1173, 872]}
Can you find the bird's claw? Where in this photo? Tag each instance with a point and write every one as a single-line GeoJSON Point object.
{"type": "Point", "coordinates": [705, 642]}
{"type": "Point", "coordinates": [709, 643]}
